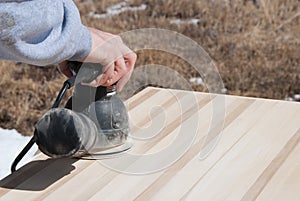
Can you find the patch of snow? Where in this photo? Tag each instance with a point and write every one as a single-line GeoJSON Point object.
{"type": "Point", "coordinates": [297, 97]}
{"type": "Point", "coordinates": [289, 99]}
{"type": "Point", "coordinates": [192, 21]}
{"type": "Point", "coordinates": [224, 90]}
{"type": "Point", "coordinates": [196, 80]}
{"type": "Point", "coordinates": [117, 9]}
{"type": "Point", "coordinates": [11, 144]}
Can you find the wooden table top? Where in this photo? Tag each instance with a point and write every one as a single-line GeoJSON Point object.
{"type": "Point", "coordinates": [187, 146]}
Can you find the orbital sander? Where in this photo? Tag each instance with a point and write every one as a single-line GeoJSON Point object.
{"type": "Point", "coordinates": [93, 124]}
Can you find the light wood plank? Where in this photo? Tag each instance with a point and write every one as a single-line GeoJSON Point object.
{"type": "Point", "coordinates": [284, 185]}
{"type": "Point", "coordinates": [185, 173]}
{"type": "Point", "coordinates": [234, 174]}
{"type": "Point", "coordinates": [125, 183]}
{"type": "Point", "coordinates": [137, 99]}
{"type": "Point", "coordinates": [254, 156]}
{"type": "Point", "coordinates": [150, 146]}
{"type": "Point", "coordinates": [46, 180]}
{"type": "Point", "coordinates": [109, 174]}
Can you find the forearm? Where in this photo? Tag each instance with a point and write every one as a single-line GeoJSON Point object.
{"type": "Point", "coordinates": [42, 32]}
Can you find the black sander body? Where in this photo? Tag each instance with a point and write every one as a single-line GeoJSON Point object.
{"type": "Point", "coordinates": [94, 120]}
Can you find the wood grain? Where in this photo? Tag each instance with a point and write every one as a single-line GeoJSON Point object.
{"type": "Point", "coordinates": [253, 154]}
{"type": "Point", "coordinates": [273, 167]}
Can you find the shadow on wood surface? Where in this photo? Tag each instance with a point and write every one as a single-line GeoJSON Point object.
{"type": "Point", "coordinates": [38, 175]}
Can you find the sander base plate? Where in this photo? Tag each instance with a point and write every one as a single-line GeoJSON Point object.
{"type": "Point", "coordinates": [111, 152]}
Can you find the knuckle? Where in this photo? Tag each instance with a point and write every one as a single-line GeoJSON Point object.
{"type": "Point", "coordinates": [133, 56]}
{"type": "Point", "coordinates": [119, 38]}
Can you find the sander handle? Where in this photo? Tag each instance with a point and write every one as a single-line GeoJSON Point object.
{"type": "Point", "coordinates": [85, 72]}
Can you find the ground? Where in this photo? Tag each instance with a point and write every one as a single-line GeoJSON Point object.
{"type": "Point", "coordinates": [254, 45]}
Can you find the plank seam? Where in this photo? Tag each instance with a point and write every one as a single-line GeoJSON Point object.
{"type": "Point", "coordinates": [193, 150]}
{"type": "Point", "coordinates": [262, 181]}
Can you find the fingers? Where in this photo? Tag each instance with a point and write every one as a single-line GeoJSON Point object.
{"type": "Point", "coordinates": [103, 79]}
{"type": "Point", "coordinates": [108, 75]}
{"type": "Point", "coordinates": [107, 78]}
{"type": "Point", "coordinates": [111, 74]}
{"type": "Point", "coordinates": [130, 60]}
{"type": "Point", "coordinates": [122, 82]}
{"type": "Point", "coordinates": [120, 68]}
{"type": "Point", "coordinates": [110, 51]}
{"type": "Point", "coordinates": [121, 71]}
{"type": "Point", "coordinates": [94, 83]}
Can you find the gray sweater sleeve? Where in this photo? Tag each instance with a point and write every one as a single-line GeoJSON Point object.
{"type": "Point", "coordinates": [42, 32]}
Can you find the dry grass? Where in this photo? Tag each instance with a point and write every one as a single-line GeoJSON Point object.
{"type": "Point", "coordinates": [26, 93]}
{"type": "Point", "coordinates": [254, 46]}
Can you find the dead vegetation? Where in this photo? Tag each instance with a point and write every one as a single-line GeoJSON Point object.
{"type": "Point", "coordinates": [254, 44]}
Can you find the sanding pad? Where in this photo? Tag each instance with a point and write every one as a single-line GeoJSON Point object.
{"type": "Point", "coordinates": [108, 152]}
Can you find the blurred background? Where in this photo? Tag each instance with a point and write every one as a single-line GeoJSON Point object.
{"type": "Point", "coordinates": [253, 43]}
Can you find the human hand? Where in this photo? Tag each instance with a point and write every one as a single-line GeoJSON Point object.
{"type": "Point", "coordinates": [110, 51]}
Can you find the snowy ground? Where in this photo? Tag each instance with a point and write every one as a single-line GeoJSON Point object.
{"type": "Point", "coordinates": [11, 143]}
{"type": "Point", "coordinates": [118, 9]}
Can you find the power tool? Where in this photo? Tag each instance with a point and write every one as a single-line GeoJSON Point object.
{"type": "Point", "coordinates": [93, 123]}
